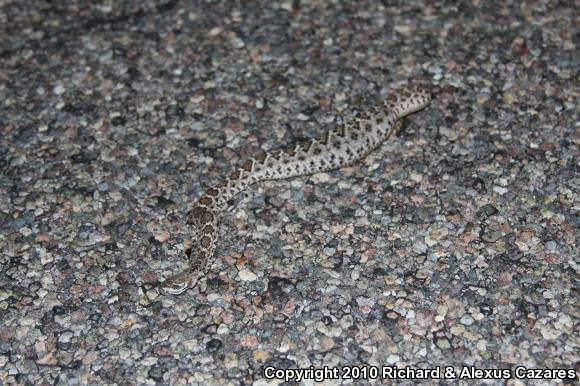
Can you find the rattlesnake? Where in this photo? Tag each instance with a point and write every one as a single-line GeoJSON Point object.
{"type": "Point", "coordinates": [342, 146]}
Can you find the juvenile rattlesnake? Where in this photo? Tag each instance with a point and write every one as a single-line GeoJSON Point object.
{"type": "Point", "coordinates": [343, 146]}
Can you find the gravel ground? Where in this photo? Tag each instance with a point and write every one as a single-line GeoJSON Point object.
{"type": "Point", "coordinates": [453, 245]}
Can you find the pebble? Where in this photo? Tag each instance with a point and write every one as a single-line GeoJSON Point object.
{"type": "Point", "coordinates": [551, 245]}
{"type": "Point", "coordinates": [393, 359]}
{"type": "Point", "coordinates": [443, 344]}
{"type": "Point", "coordinates": [25, 231]}
{"type": "Point", "coordinates": [47, 360]}
{"type": "Point", "coordinates": [247, 275]}
{"type": "Point", "coordinates": [320, 178]}
{"type": "Point", "coordinates": [59, 89]}
{"type": "Point", "coordinates": [457, 329]}
{"type": "Point", "coordinates": [436, 235]}
{"type": "Point", "coordinates": [466, 320]}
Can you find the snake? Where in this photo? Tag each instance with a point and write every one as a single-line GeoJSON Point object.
{"type": "Point", "coordinates": [340, 147]}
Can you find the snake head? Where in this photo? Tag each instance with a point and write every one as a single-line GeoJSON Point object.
{"type": "Point", "coordinates": [178, 284]}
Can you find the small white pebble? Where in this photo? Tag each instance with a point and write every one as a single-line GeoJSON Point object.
{"type": "Point", "coordinates": [58, 89]}
{"type": "Point", "coordinates": [247, 275]}
{"type": "Point", "coordinates": [466, 320]}
{"type": "Point", "coordinates": [24, 231]}
{"type": "Point", "coordinates": [392, 359]}
{"type": "Point", "coordinates": [443, 344]}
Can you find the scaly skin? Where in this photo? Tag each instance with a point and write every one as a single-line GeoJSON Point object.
{"type": "Point", "coordinates": [343, 146]}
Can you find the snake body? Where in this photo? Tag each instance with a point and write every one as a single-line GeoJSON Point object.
{"type": "Point", "coordinates": [340, 147]}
